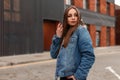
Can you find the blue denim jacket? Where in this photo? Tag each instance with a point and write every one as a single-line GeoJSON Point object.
{"type": "Point", "coordinates": [77, 58]}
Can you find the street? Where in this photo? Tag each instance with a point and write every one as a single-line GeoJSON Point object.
{"type": "Point", "coordinates": [106, 67]}
{"type": "Point", "coordinates": [103, 65]}
{"type": "Point", "coordinates": [31, 71]}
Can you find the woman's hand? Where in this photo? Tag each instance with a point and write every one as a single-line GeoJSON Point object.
{"type": "Point", "coordinates": [59, 30]}
{"type": "Point", "coordinates": [71, 77]}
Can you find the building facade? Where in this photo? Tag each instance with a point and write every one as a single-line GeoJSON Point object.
{"type": "Point", "coordinates": [28, 27]}
{"type": "Point", "coordinates": [117, 13]}
{"type": "Point", "coordinates": [100, 18]}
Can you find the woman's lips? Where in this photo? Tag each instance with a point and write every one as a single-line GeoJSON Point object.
{"type": "Point", "coordinates": [73, 21]}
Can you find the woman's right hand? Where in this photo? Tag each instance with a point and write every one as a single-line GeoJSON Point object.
{"type": "Point", "coordinates": [71, 77]}
{"type": "Point", "coordinates": [59, 30]}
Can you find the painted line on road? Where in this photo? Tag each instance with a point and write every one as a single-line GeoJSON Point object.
{"type": "Point", "coordinates": [26, 64]}
{"type": "Point", "coordinates": [111, 70]}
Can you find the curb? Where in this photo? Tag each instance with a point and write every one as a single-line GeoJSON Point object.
{"type": "Point", "coordinates": [37, 57]}
{"type": "Point", "coordinates": [22, 59]}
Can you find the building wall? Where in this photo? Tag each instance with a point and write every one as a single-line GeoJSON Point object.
{"type": "Point", "coordinates": [118, 26]}
{"type": "Point", "coordinates": [22, 27]}
{"type": "Point", "coordinates": [92, 31]}
{"type": "Point", "coordinates": [38, 20]}
{"type": "Point", "coordinates": [1, 28]}
{"type": "Point", "coordinates": [105, 8]}
{"type": "Point", "coordinates": [52, 13]}
{"type": "Point", "coordinates": [112, 38]}
{"type": "Point", "coordinates": [112, 9]}
{"type": "Point", "coordinates": [21, 32]}
{"type": "Point", "coordinates": [103, 36]}
{"type": "Point", "coordinates": [52, 9]}
{"type": "Point", "coordinates": [92, 5]}
{"type": "Point", "coordinates": [78, 3]}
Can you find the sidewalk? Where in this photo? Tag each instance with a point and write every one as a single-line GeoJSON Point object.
{"type": "Point", "coordinates": [27, 58]}
{"type": "Point", "coordinates": [24, 58]}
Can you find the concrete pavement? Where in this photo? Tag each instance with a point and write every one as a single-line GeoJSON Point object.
{"type": "Point", "coordinates": [37, 57]}
{"type": "Point", "coordinates": [24, 58]}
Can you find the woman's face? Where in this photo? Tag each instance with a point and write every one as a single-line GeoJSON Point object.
{"type": "Point", "coordinates": [72, 17]}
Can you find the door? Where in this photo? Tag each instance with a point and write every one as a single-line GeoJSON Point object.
{"type": "Point", "coordinates": [49, 29]}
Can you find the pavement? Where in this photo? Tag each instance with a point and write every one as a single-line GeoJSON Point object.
{"type": "Point", "coordinates": [24, 58]}
{"type": "Point", "coordinates": [37, 57]}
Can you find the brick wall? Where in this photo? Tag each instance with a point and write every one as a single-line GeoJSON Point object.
{"type": "Point", "coordinates": [103, 31]}
{"type": "Point", "coordinates": [103, 35]}
{"type": "Point", "coordinates": [92, 31]}
{"type": "Point", "coordinates": [92, 5]}
{"type": "Point", "coordinates": [112, 9]}
{"type": "Point", "coordinates": [78, 3]}
{"type": "Point", "coordinates": [112, 36]}
{"type": "Point", "coordinates": [103, 6]}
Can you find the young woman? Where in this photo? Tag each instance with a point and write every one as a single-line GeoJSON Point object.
{"type": "Point", "coordinates": [72, 47]}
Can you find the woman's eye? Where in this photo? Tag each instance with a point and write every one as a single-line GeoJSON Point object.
{"type": "Point", "coordinates": [69, 15]}
{"type": "Point", "coordinates": [76, 14]}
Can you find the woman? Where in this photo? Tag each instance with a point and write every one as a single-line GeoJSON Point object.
{"type": "Point", "coordinates": [72, 47]}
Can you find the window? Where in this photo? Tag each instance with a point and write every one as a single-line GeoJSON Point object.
{"type": "Point", "coordinates": [97, 5]}
{"type": "Point", "coordinates": [12, 10]}
{"type": "Point", "coordinates": [97, 38]}
{"type": "Point", "coordinates": [108, 36]}
{"type": "Point", "coordinates": [85, 4]}
{"type": "Point", "coordinates": [7, 4]}
{"type": "Point", "coordinates": [68, 2]}
{"type": "Point", "coordinates": [108, 8]}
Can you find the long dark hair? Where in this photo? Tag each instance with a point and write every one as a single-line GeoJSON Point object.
{"type": "Point", "coordinates": [67, 29]}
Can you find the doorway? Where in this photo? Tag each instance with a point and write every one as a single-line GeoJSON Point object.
{"type": "Point", "coordinates": [49, 29]}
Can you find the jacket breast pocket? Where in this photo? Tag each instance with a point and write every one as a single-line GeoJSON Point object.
{"type": "Point", "coordinates": [73, 41]}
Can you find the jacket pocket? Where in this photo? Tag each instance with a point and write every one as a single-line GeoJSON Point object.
{"type": "Point", "coordinates": [73, 41]}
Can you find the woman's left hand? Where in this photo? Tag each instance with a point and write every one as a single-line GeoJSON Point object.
{"type": "Point", "coordinates": [69, 77]}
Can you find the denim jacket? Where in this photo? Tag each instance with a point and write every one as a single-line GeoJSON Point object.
{"type": "Point", "coordinates": [77, 58]}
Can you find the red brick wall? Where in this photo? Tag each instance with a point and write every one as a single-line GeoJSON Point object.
{"type": "Point", "coordinates": [78, 3]}
{"type": "Point", "coordinates": [92, 28]}
{"type": "Point", "coordinates": [103, 36]}
{"type": "Point", "coordinates": [103, 6]}
{"type": "Point", "coordinates": [92, 31]}
{"type": "Point", "coordinates": [112, 9]}
{"type": "Point", "coordinates": [112, 36]}
{"type": "Point", "coordinates": [92, 5]}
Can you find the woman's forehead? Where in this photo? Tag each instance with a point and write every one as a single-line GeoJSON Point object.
{"type": "Point", "coordinates": [72, 10]}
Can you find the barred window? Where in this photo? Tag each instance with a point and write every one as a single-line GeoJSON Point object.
{"type": "Point", "coordinates": [69, 2]}
{"type": "Point", "coordinates": [12, 10]}
{"type": "Point", "coordinates": [85, 4]}
{"type": "Point", "coordinates": [97, 6]}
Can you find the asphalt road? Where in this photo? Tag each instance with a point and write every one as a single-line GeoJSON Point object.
{"type": "Point", "coordinates": [106, 67]}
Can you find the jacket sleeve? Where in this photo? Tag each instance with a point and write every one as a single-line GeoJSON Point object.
{"type": "Point", "coordinates": [87, 54]}
{"type": "Point", "coordinates": [54, 46]}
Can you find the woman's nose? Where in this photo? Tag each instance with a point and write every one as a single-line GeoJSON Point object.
{"type": "Point", "coordinates": [73, 17]}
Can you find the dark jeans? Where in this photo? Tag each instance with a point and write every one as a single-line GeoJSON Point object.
{"type": "Point", "coordinates": [64, 78]}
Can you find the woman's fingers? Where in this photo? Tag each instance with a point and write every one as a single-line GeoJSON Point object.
{"type": "Point", "coordinates": [71, 77]}
{"type": "Point", "coordinates": [59, 30]}
{"type": "Point", "coordinates": [60, 26]}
